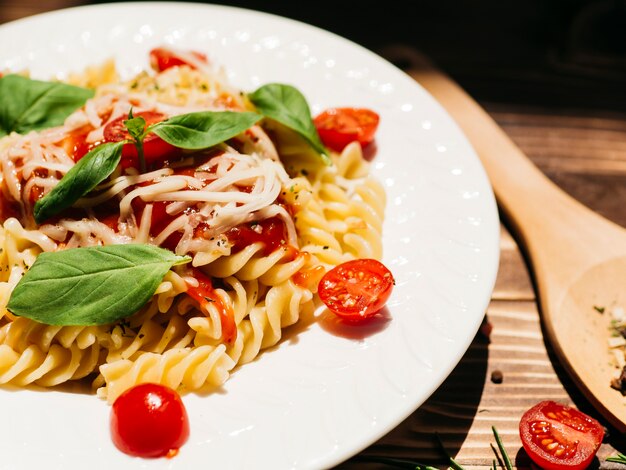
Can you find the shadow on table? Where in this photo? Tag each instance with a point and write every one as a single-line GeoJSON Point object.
{"type": "Point", "coordinates": [448, 413]}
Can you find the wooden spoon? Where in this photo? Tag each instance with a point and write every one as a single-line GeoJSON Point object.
{"type": "Point", "coordinates": [578, 258]}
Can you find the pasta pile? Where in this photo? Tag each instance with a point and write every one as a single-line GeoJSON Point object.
{"type": "Point", "coordinates": [262, 178]}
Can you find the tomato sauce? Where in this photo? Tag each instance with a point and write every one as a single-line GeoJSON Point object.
{"type": "Point", "coordinates": [160, 220]}
{"type": "Point", "coordinates": [271, 232]}
{"type": "Point", "coordinates": [309, 277]}
{"type": "Point", "coordinates": [204, 294]}
{"type": "Point", "coordinates": [8, 209]}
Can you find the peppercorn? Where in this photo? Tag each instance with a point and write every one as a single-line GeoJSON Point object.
{"type": "Point", "coordinates": [497, 377]}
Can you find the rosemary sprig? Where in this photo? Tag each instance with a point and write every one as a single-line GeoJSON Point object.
{"type": "Point", "coordinates": [453, 463]}
{"type": "Point", "coordinates": [620, 458]}
{"type": "Point", "coordinates": [505, 455]}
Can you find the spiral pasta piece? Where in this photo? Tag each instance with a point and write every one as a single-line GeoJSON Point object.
{"type": "Point", "coordinates": [185, 369]}
{"type": "Point", "coordinates": [49, 368]}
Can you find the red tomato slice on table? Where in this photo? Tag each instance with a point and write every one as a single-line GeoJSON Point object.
{"type": "Point", "coordinates": [155, 149]}
{"type": "Point", "coordinates": [149, 420]}
{"type": "Point", "coordinates": [558, 437]}
{"type": "Point", "coordinates": [337, 127]}
{"type": "Point", "coordinates": [162, 59]}
{"type": "Point", "coordinates": [356, 290]}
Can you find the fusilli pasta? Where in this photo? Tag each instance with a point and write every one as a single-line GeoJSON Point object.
{"type": "Point", "coordinates": [220, 206]}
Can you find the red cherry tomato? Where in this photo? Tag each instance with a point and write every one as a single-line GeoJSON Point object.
{"type": "Point", "coordinates": [162, 59]}
{"type": "Point", "coordinates": [338, 127]}
{"type": "Point", "coordinates": [149, 420]}
{"type": "Point", "coordinates": [155, 149]}
{"type": "Point", "coordinates": [558, 437]}
{"type": "Point", "coordinates": [356, 290]}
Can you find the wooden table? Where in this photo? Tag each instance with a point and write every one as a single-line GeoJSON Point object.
{"type": "Point", "coordinates": [582, 149]}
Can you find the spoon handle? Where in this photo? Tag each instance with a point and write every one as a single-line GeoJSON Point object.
{"type": "Point", "coordinates": [554, 228]}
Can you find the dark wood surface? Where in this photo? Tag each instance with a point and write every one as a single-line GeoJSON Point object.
{"type": "Point", "coordinates": [552, 73]}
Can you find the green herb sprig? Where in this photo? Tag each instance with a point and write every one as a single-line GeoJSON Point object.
{"type": "Point", "coordinates": [204, 129]}
{"type": "Point", "coordinates": [136, 129]}
{"type": "Point", "coordinates": [619, 458]}
{"type": "Point", "coordinates": [83, 177]}
{"type": "Point", "coordinates": [503, 452]}
{"type": "Point", "coordinates": [453, 463]}
{"type": "Point", "coordinates": [91, 285]}
{"type": "Point", "coordinates": [288, 106]}
{"type": "Point", "coordinates": [31, 105]}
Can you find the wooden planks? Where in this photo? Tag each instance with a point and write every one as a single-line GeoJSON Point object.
{"type": "Point", "coordinates": [583, 151]}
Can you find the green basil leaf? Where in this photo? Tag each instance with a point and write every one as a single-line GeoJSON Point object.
{"type": "Point", "coordinates": [136, 129]}
{"type": "Point", "coordinates": [135, 126]}
{"type": "Point", "coordinates": [285, 104]}
{"type": "Point", "coordinates": [90, 170]}
{"type": "Point", "coordinates": [28, 105]}
{"type": "Point", "coordinates": [92, 285]}
{"type": "Point", "coordinates": [204, 129]}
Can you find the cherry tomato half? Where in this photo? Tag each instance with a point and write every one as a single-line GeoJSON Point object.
{"type": "Point", "coordinates": [76, 145]}
{"type": "Point", "coordinates": [338, 127]}
{"type": "Point", "coordinates": [162, 59]}
{"type": "Point", "coordinates": [155, 149]}
{"type": "Point", "coordinates": [356, 290]}
{"type": "Point", "coordinates": [558, 437]}
{"type": "Point", "coordinates": [149, 420]}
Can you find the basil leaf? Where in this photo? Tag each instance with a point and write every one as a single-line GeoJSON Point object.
{"type": "Point", "coordinates": [90, 170]}
{"type": "Point", "coordinates": [28, 105]}
{"type": "Point", "coordinates": [135, 126]}
{"type": "Point", "coordinates": [285, 104]}
{"type": "Point", "coordinates": [136, 129]}
{"type": "Point", "coordinates": [92, 285]}
{"type": "Point", "coordinates": [204, 129]}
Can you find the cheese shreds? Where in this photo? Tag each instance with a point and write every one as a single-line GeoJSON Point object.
{"type": "Point", "coordinates": [240, 183]}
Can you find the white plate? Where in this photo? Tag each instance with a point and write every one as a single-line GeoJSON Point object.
{"type": "Point", "coordinates": [319, 397]}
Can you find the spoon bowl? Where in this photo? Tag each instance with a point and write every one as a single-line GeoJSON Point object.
{"type": "Point", "coordinates": [579, 332]}
{"type": "Point", "coordinates": [577, 257]}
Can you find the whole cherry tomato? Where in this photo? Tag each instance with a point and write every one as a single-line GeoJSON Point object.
{"type": "Point", "coordinates": [558, 437]}
{"type": "Point", "coordinates": [357, 289]}
{"type": "Point", "coordinates": [155, 149]}
{"type": "Point", "coordinates": [149, 420]}
{"type": "Point", "coordinates": [337, 127]}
